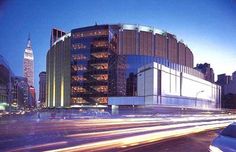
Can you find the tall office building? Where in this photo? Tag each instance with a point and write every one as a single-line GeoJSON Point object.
{"type": "Point", "coordinates": [223, 79]}
{"type": "Point", "coordinates": [5, 81]}
{"type": "Point", "coordinates": [228, 83]}
{"type": "Point", "coordinates": [42, 87]}
{"type": "Point", "coordinates": [20, 91]}
{"type": "Point", "coordinates": [29, 63]}
{"type": "Point", "coordinates": [207, 71]}
{"type": "Point", "coordinates": [32, 97]}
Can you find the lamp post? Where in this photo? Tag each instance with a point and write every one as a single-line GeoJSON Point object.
{"type": "Point", "coordinates": [196, 97]}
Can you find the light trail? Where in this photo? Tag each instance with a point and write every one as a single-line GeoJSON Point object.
{"type": "Point", "coordinates": [93, 134]}
{"type": "Point", "coordinates": [38, 146]}
{"type": "Point", "coordinates": [143, 129]}
{"type": "Point", "coordinates": [158, 130]}
{"type": "Point", "coordinates": [139, 139]}
{"type": "Point", "coordinates": [85, 124]}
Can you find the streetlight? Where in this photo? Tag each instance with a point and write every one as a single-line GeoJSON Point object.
{"type": "Point", "coordinates": [196, 97]}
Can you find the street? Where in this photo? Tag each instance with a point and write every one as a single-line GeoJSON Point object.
{"type": "Point", "coordinates": [111, 134]}
{"type": "Point", "coordinates": [195, 143]}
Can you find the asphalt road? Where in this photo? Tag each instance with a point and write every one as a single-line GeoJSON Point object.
{"type": "Point", "coordinates": [195, 143]}
{"type": "Point", "coordinates": [110, 134]}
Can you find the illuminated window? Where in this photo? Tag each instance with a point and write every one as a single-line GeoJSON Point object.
{"type": "Point", "coordinates": [78, 78]}
{"type": "Point", "coordinates": [78, 46]}
{"type": "Point", "coordinates": [102, 89]}
{"type": "Point", "coordinates": [78, 100]}
{"type": "Point", "coordinates": [100, 77]}
{"type": "Point", "coordinates": [100, 44]}
{"type": "Point", "coordinates": [90, 33]}
{"type": "Point", "coordinates": [79, 57]}
{"type": "Point", "coordinates": [79, 68]}
{"type": "Point", "coordinates": [100, 66]}
{"type": "Point", "coordinates": [78, 89]}
{"type": "Point", "coordinates": [101, 100]}
{"type": "Point", "coordinates": [100, 55]}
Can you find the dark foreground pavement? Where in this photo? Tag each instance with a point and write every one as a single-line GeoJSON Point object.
{"type": "Point", "coordinates": [191, 143]}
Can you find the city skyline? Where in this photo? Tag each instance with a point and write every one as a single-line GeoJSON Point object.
{"type": "Point", "coordinates": [206, 26]}
{"type": "Point", "coordinates": [118, 75]}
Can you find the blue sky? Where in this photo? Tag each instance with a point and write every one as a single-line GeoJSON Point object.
{"type": "Point", "coordinates": [208, 27]}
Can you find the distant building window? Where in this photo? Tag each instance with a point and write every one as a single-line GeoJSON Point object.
{"type": "Point", "coordinates": [78, 46]}
{"type": "Point", "coordinates": [100, 66]}
{"type": "Point", "coordinates": [100, 55]}
{"type": "Point", "coordinates": [102, 89]}
{"type": "Point", "coordinates": [101, 100]}
{"type": "Point", "coordinates": [90, 33]}
{"type": "Point", "coordinates": [78, 100]}
{"type": "Point", "coordinates": [100, 44]}
{"type": "Point", "coordinates": [100, 77]}
{"type": "Point", "coordinates": [77, 89]}
{"type": "Point", "coordinates": [79, 68]}
{"type": "Point", "coordinates": [78, 57]}
{"type": "Point", "coordinates": [78, 78]}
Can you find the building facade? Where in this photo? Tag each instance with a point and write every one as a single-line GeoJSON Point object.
{"type": "Point", "coordinates": [29, 63]}
{"type": "Point", "coordinates": [32, 97]}
{"type": "Point", "coordinates": [90, 64]}
{"type": "Point", "coordinates": [207, 71]}
{"type": "Point", "coordinates": [42, 87]}
{"type": "Point", "coordinates": [161, 85]}
{"type": "Point", "coordinates": [20, 92]}
{"type": "Point", "coordinates": [222, 80]}
{"type": "Point", "coordinates": [59, 73]}
{"type": "Point", "coordinates": [55, 35]}
{"type": "Point", "coordinates": [14, 90]}
{"type": "Point", "coordinates": [229, 84]}
{"type": "Point", "coordinates": [5, 82]}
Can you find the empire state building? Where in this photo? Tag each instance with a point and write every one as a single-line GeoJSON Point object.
{"type": "Point", "coordinates": [29, 63]}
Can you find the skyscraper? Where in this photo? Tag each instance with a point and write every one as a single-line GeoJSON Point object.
{"type": "Point", "coordinates": [29, 63]}
{"type": "Point", "coordinates": [42, 87]}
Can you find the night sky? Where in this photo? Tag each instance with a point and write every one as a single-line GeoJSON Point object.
{"type": "Point", "coordinates": [208, 27]}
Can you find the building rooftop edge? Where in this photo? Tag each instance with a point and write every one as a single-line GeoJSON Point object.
{"type": "Point", "coordinates": [127, 26]}
{"type": "Point", "coordinates": [62, 38]}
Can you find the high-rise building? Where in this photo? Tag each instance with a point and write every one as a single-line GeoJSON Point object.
{"type": "Point", "coordinates": [234, 76]}
{"type": "Point", "coordinates": [228, 83]}
{"type": "Point", "coordinates": [29, 63]}
{"type": "Point", "coordinates": [42, 87]}
{"type": "Point", "coordinates": [223, 79]}
{"type": "Point", "coordinates": [32, 97]}
{"type": "Point", "coordinates": [91, 64]}
{"type": "Point", "coordinates": [20, 91]}
{"type": "Point", "coordinates": [14, 90]}
{"type": "Point", "coordinates": [5, 81]}
{"type": "Point", "coordinates": [207, 71]}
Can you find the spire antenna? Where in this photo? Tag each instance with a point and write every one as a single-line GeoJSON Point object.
{"type": "Point", "coordinates": [29, 36]}
{"type": "Point", "coordinates": [29, 45]}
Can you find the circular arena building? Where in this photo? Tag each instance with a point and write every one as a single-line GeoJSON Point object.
{"type": "Point", "coordinates": [98, 65]}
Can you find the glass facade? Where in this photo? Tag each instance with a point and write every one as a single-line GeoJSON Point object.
{"type": "Point", "coordinates": [103, 63]}
{"type": "Point", "coordinates": [89, 65]}
{"type": "Point", "coordinates": [104, 60]}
